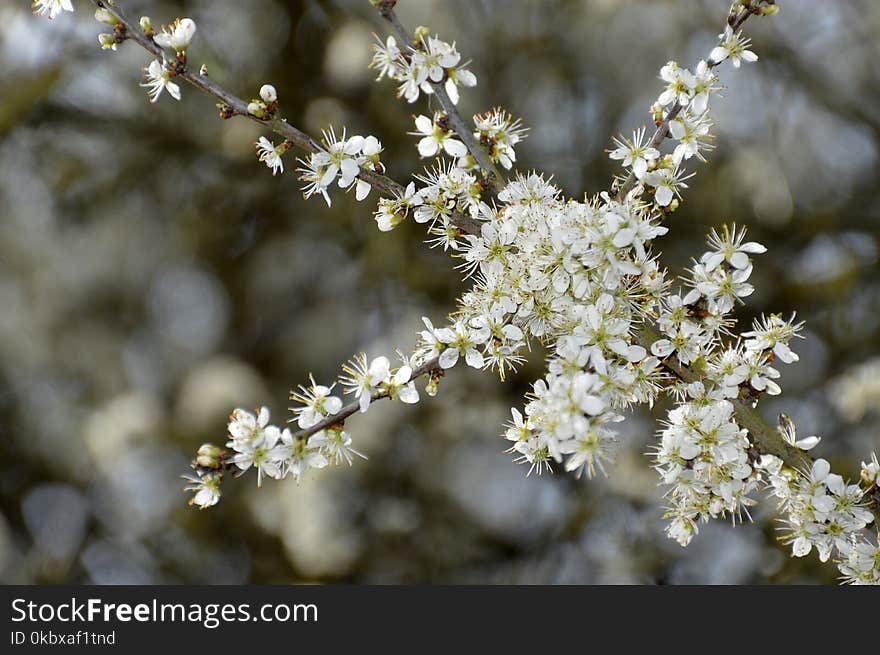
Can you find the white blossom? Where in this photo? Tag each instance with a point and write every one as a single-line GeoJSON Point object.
{"type": "Point", "coordinates": [436, 139]}
{"type": "Point", "coordinates": [51, 8]}
{"type": "Point", "coordinates": [270, 154]}
{"type": "Point", "coordinates": [364, 379]}
{"type": "Point", "coordinates": [206, 487]}
{"type": "Point", "coordinates": [636, 153]}
{"type": "Point", "coordinates": [178, 35]}
{"type": "Point", "coordinates": [733, 46]}
{"type": "Point", "coordinates": [317, 403]}
{"type": "Point", "coordinates": [158, 79]}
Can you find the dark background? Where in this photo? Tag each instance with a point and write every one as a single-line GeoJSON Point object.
{"type": "Point", "coordinates": [153, 275]}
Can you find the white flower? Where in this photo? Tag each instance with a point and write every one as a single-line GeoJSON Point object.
{"type": "Point", "coordinates": [728, 246]}
{"type": "Point", "coordinates": [499, 133]}
{"type": "Point", "coordinates": [244, 426]}
{"type": "Point", "coordinates": [387, 58]}
{"type": "Point", "coordinates": [704, 86]}
{"type": "Point", "coordinates": [773, 333]}
{"type": "Point", "coordinates": [435, 139]}
{"type": "Point", "coordinates": [412, 79]}
{"type": "Point", "coordinates": [734, 46]}
{"type": "Point", "coordinates": [317, 403]}
{"type": "Point", "coordinates": [456, 76]}
{"type": "Point", "coordinates": [342, 158]}
{"type": "Point", "coordinates": [370, 151]}
{"type": "Point", "coordinates": [158, 79]}
{"type": "Point", "coordinates": [861, 565]}
{"type": "Point", "coordinates": [436, 56]}
{"type": "Point", "coordinates": [402, 387]}
{"type": "Point", "coordinates": [460, 340]}
{"type": "Point", "coordinates": [312, 173]}
{"type": "Point", "coordinates": [391, 212]}
{"type": "Point", "coordinates": [667, 183]}
{"type": "Point", "coordinates": [788, 430]}
{"type": "Point", "coordinates": [692, 134]}
{"type": "Point", "coordinates": [339, 158]}
{"type": "Point", "coordinates": [178, 35]}
{"type": "Point", "coordinates": [365, 379]}
{"type": "Point", "coordinates": [761, 374]}
{"type": "Point", "coordinates": [271, 154]}
{"type": "Point", "coordinates": [636, 153]}
{"type": "Point", "coordinates": [335, 445]}
{"type": "Point", "coordinates": [680, 84]}
{"type": "Point", "coordinates": [870, 473]}
{"type": "Point", "coordinates": [301, 455]}
{"type": "Point", "coordinates": [206, 487]}
{"type": "Point", "coordinates": [268, 93]}
{"type": "Point", "coordinates": [51, 8]}
{"type": "Point", "coordinates": [262, 452]}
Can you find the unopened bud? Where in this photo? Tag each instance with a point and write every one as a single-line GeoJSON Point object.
{"type": "Point", "coordinates": [146, 25]}
{"type": "Point", "coordinates": [268, 93]}
{"type": "Point", "coordinates": [433, 384]}
{"type": "Point", "coordinates": [257, 109]}
{"type": "Point", "coordinates": [107, 41]}
{"type": "Point", "coordinates": [208, 456]}
{"type": "Point", "coordinates": [104, 16]}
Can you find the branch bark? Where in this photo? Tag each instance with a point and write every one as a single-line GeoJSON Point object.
{"type": "Point", "coordinates": [662, 130]}
{"type": "Point", "coordinates": [490, 171]}
{"type": "Point", "coordinates": [765, 437]}
{"type": "Point", "coordinates": [238, 107]}
{"type": "Point", "coordinates": [430, 366]}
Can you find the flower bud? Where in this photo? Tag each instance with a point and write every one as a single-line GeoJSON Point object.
{"type": "Point", "coordinates": [268, 93]}
{"type": "Point", "coordinates": [178, 35]}
{"type": "Point", "coordinates": [107, 41]}
{"type": "Point", "coordinates": [146, 25]}
{"type": "Point", "coordinates": [433, 384]}
{"type": "Point", "coordinates": [421, 32]}
{"type": "Point", "coordinates": [208, 456]}
{"type": "Point", "coordinates": [257, 109]}
{"type": "Point", "coordinates": [104, 16]}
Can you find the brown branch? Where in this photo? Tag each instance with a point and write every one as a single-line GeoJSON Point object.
{"type": "Point", "coordinates": [239, 107]}
{"type": "Point", "coordinates": [493, 176]}
{"type": "Point", "coordinates": [431, 366]}
{"type": "Point", "coordinates": [735, 21]}
{"type": "Point", "coordinates": [765, 437]}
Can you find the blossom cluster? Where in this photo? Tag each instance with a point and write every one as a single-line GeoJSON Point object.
{"type": "Point", "coordinates": [416, 68]}
{"type": "Point", "coordinates": [579, 277]}
{"type": "Point", "coordinates": [822, 512]}
{"type": "Point", "coordinates": [683, 107]}
{"type": "Point", "coordinates": [703, 456]}
{"type": "Point", "coordinates": [278, 453]}
{"type": "Point", "coordinates": [340, 160]}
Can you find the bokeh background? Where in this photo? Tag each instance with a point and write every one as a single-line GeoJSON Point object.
{"type": "Point", "coordinates": [153, 275]}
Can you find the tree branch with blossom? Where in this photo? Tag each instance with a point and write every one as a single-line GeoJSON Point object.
{"type": "Point", "coordinates": [579, 277]}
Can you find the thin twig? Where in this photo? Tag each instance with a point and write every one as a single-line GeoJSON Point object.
{"type": "Point", "coordinates": [767, 439]}
{"type": "Point", "coordinates": [662, 130]}
{"type": "Point", "coordinates": [492, 175]}
{"type": "Point", "coordinates": [238, 107]}
{"type": "Point", "coordinates": [430, 366]}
